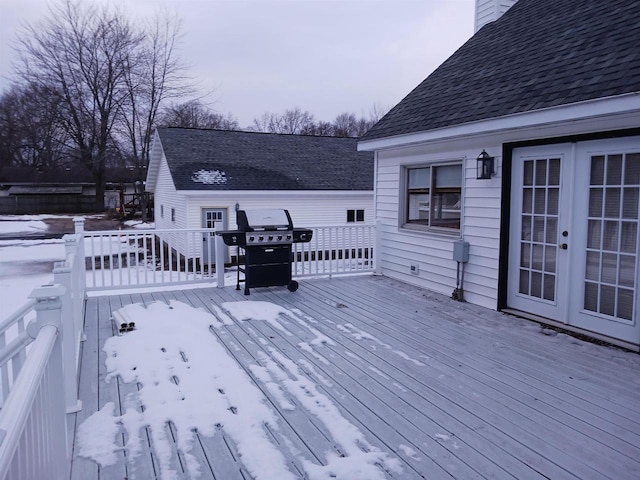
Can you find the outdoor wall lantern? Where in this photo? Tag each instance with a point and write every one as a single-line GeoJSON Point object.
{"type": "Point", "coordinates": [485, 166]}
{"type": "Point", "coordinates": [237, 206]}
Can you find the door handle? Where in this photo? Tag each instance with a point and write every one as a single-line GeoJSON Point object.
{"type": "Point", "coordinates": [563, 246]}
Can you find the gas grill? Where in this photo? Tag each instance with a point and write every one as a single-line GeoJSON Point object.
{"type": "Point", "coordinates": [266, 238]}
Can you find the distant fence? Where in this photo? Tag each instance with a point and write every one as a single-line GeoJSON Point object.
{"type": "Point", "coordinates": [34, 204]}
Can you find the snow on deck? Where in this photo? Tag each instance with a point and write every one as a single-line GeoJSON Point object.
{"type": "Point", "coordinates": [351, 378]}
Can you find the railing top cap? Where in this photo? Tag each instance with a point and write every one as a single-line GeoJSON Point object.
{"type": "Point", "coordinates": [48, 291]}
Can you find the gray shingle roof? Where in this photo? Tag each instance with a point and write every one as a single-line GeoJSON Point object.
{"type": "Point", "coordinates": [231, 160]}
{"type": "Point", "coordinates": [539, 54]}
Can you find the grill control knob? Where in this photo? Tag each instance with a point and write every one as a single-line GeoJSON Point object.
{"type": "Point", "coordinates": [270, 237]}
{"type": "Point", "coordinates": [288, 236]}
{"type": "Point", "coordinates": [280, 237]}
{"type": "Point", "coordinates": [261, 238]}
{"type": "Point", "coordinates": [252, 238]}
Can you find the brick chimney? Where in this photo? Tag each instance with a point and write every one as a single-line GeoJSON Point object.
{"type": "Point", "coordinates": [489, 10]}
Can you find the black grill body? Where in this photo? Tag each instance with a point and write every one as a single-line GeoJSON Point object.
{"type": "Point", "coordinates": [265, 237]}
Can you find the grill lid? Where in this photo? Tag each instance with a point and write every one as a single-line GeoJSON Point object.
{"type": "Point", "coordinates": [264, 219]}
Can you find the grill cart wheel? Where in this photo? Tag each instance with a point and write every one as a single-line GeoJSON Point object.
{"type": "Point", "coordinates": [292, 286]}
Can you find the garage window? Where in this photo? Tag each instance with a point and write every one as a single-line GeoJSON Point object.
{"type": "Point", "coordinates": [355, 216]}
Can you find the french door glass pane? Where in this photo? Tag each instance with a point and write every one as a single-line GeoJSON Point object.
{"type": "Point", "coordinates": [632, 169]}
{"type": "Point", "coordinates": [539, 228]}
{"type": "Point", "coordinates": [595, 202]}
{"type": "Point", "coordinates": [607, 300]}
{"type": "Point", "coordinates": [612, 203]}
{"type": "Point", "coordinates": [540, 201]}
{"type": "Point", "coordinates": [630, 203]}
{"type": "Point", "coordinates": [549, 289]}
{"type": "Point", "coordinates": [597, 170]}
{"type": "Point", "coordinates": [552, 230]}
{"type": "Point", "coordinates": [625, 303]}
{"type": "Point", "coordinates": [526, 227]}
{"type": "Point", "coordinates": [527, 200]}
{"type": "Point", "coordinates": [612, 235]}
{"type": "Point", "coordinates": [591, 296]}
{"type": "Point", "coordinates": [614, 169]}
{"type": "Point", "coordinates": [554, 171]}
{"type": "Point", "coordinates": [610, 238]}
{"type": "Point", "coordinates": [629, 240]}
{"type": "Point", "coordinates": [594, 234]}
{"type": "Point", "coordinates": [525, 255]}
{"type": "Point", "coordinates": [541, 172]}
{"type": "Point", "coordinates": [552, 201]}
{"type": "Point", "coordinates": [527, 177]}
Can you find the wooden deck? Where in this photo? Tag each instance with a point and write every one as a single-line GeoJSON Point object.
{"type": "Point", "coordinates": [448, 389]}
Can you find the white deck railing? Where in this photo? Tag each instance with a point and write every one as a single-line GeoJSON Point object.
{"type": "Point", "coordinates": [135, 258]}
{"type": "Point", "coordinates": [32, 420]}
{"type": "Point", "coordinates": [40, 343]}
{"type": "Point", "coordinates": [335, 250]}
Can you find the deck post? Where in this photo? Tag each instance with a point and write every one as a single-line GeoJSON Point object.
{"type": "Point", "coordinates": [62, 275]}
{"type": "Point", "coordinates": [78, 224]}
{"type": "Point", "coordinates": [219, 261]}
{"type": "Point", "coordinates": [377, 248]}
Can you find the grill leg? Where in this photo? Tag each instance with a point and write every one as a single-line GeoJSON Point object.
{"type": "Point", "coordinates": [238, 269]}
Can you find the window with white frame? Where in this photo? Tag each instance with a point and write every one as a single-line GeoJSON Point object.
{"type": "Point", "coordinates": [355, 216]}
{"type": "Point", "coordinates": [433, 196]}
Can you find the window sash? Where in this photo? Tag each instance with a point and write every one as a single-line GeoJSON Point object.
{"type": "Point", "coordinates": [436, 204]}
{"type": "Point", "coordinates": [354, 215]}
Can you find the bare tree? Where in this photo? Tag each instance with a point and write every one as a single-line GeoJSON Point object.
{"type": "Point", "coordinates": [267, 123]}
{"type": "Point", "coordinates": [30, 131]}
{"type": "Point", "coordinates": [300, 122]}
{"type": "Point", "coordinates": [152, 73]}
{"type": "Point", "coordinates": [345, 125]}
{"type": "Point", "coordinates": [293, 121]}
{"type": "Point", "coordinates": [296, 121]}
{"type": "Point", "coordinates": [79, 56]}
{"type": "Point", "coordinates": [194, 114]}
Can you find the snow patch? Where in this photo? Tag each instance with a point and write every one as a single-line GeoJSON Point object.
{"type": "Point", "coordinates": [409, 452]}
{"type": "Point", "coordinates": [209, 177]}
{"type": "Point", "coordinates": [188, 379]}
{"type": "Point", "coordinates": [22, 226]}
{"type": "Point", "coordinates": [97, 436]}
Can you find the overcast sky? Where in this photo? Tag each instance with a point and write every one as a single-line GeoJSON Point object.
{"type": "Point", "coordinates": [324, 56]}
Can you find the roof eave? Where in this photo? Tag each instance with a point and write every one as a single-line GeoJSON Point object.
{"type": "Point", "coordinates": [272, 193]}
{"type": "Point", "coordinates": [625, 108]}
{"type": "Point", "coordinates": [155, 157]}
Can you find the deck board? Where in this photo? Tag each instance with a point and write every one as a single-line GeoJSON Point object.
{"type": "Point", "coordinates": [448, 389]}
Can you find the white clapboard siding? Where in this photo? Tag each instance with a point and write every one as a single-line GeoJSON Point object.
{"type": "Point", "coordinates": [166, 198]}
{"type": "Point", "coordinates": [433, 252]}
{"type": "Point", "coordinates": [489, 10]}
{"type": "Point", "coordinates": [307, 209]}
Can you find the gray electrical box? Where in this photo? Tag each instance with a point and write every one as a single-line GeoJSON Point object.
{"type": "Point", "coordinates": [461, 251]}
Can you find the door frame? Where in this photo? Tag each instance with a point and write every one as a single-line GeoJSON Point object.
{"type": "Point", "coordinates": [505, 225]}
{"type": "Point", "coordinates": [558, 308]}
{"type": "Point", "coordinates": [225, 223]}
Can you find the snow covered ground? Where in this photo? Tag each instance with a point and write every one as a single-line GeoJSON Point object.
{"type": "Point", "coordinates": [26, 264]}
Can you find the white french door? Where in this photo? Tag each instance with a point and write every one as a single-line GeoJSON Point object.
{"type": "Point", "coordinates": [574, 229]}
